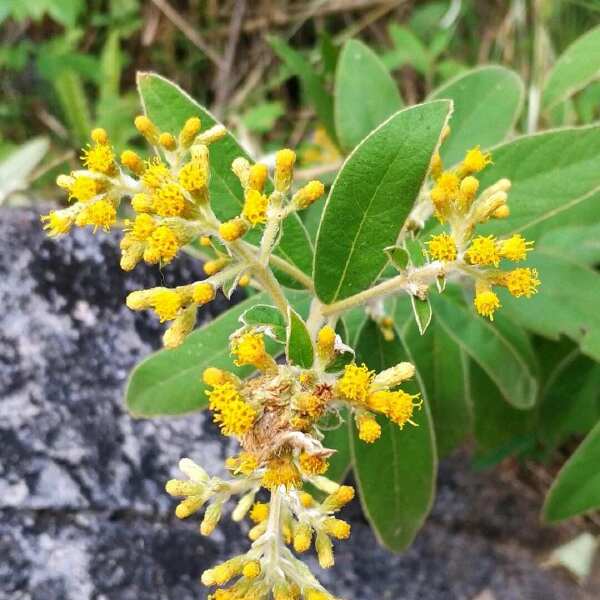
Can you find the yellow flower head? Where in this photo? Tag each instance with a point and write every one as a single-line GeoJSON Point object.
{"type": "Point", "coordinates": [483, 251]}
{"type": "Point", "coordinates": [257, 177]}
{"type": "Point", "coordinates": [487, 303]}
{"type": "Point", "coordinates": [448, 183]}
{"type": "Point", "coordinates": [99, 158]}
{"type": "Point", "coordinates": [99, 136]}
{"type": "Point", "coordinates": [337, 528]}
{"type": "Point", "coordinates": [284, 169]}
{"type": "Point", "coordinates": [251, 569]}
{"type": "Point", "coordinates": [255, 207]}
{"type": "Point", "coordinates": [222, 394]}
{"type": "Point", "coordinates": [100, 214]}
{"type": "Point", "coordinates": [84, 188]}
{"type": "Point", "coordinates": [369, 429]}
{"type": "Point", "coordinates": [302, 537]}
{"type": "Point", "coordinates": [476, 160]}
{"type": "Point", "coordinates": [190, 130]}
{"type": "Point", "coordinates": [310, 193]}
{"type": "Point", "coordinates": [166, 304]}
{"type": "Point", "coordinates": [339, 498]}
{"type": "Point", "coordinates": [354, 383]}
{"type": "Point", "coordinates": [326, 342]}
{"type": "Point", "coordinates": [380, 401]}
{"type": "Point", "coordinates": [235, 417]}
{"type": "Point", "coordinates": [245, 463]}
{"type": "Point", "coordinates": [132, 161]}
{"type": "Point", "coordinates": [515, 248]}
{"type": "Point", "coordinates": [142, 227]}
{"type": "Point", "coordinates": [311, 404]}
{"type": "Point", "coordinates": [312, 464]}
{"type": "Point", "coordinates": [155, 174]}
{"type": "Point", "coordinates": [141, 203]}
{"type": "Point", "coordinates": [57, 223]}
{"type": "Point", "coordinates": [442, 247]}
{"type": "Point", "coordinates": [203, 293]}
{"type": "Point", "coordinates": [249, 349]}
{"type": "Point", "coordinates": [522, 282]}
{"type": "Point", "coordinates": [281, 471]}
{"type": "Point", "coordinates": [164, 244]}
{"type": "Point", "coordinates": [168, 201]}
{"type": "Point", "coordinates": [167, 141]}
{"type": "Point", "coordinates": [259, 512]}
{"type": "Point", "coordinates": [232, 230]}
{"type": "Point", "coordinates": [402, 406]}
{"type": "Point", "coordinates": [194, 176]}
{"type": "Point", "coordinates": [147, 128]}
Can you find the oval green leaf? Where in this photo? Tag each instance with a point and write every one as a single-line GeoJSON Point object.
{"type": "Point", "coordinates": [577, 66]}
{"type": "Point", "coordinates": [396, 474]}
{"type": "Point", "coordinates": [504, 360]}
{"type": "Point", "coordinates": [299, 348]}
{"type": "Point", "coordinates": [169, 107]}
{"type": "Point", "coordinates": [371, 198]}
{"type": "Point", "coordinates": [487, 102]}
{"type": "Point", "coordinates": [576, 489]}
{"type": "Point", "coordinates": [263, 315]}
{"type": "Point", "coordinates": [555, 180]}
{"type": "Point", "coordinates": [365, 94]}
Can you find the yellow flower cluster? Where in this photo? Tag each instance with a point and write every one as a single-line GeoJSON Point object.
{"type": "Point", "coordinates": [456, 202]}
{"type": "Point", "coordinates": [275, 416]}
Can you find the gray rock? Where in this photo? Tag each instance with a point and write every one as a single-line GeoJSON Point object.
{"type": "Point", "coordinates": [83, 514]}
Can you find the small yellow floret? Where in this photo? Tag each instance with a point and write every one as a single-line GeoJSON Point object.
{"type": "Point", "coordinates": [369, 429]}
{"type": "Point", "coordinates": [222, 394]}
{"type": "Point", "coordinates": [245, 463]}
{"type": "Point", "coordinates": [203, 293]}
{"type": "Point", "coordinates": [168, 201]}
{"type": "Point", "coordinates": [251, 569]}
{"type": "Point", "coordinates": [84, 188]}
{"type": "Point", "coordinates": [380, 401]}
{"type": "Point", "coordinates": [99, 158]}
{"type": "Point", "coordinates": [99, 136]}
{"type": "Point", "coordinates": [186, 508]}
{"type": "Point", "coordinates": [166, 304]}
{"type": "Point", "coordinates": [57, 223]}
{"type": "Point", "coordinates": [165, 243]}
{"type": "Point", "coordinates": [259, 512]}
{"type": "Point", "coordinates": [515, 248]}
{"type": "Point", "coordinates": [476, 160]}
{"type": "Point", "coordinates": [281, 471]}
{"type": "Point", "coordinates": [211, 267]}
{"type": "Point", "coordinates": [312, 464]}
{"type": "Point", "coordinates": [213, 376]}
{"type": "Point", "coordinates": [141, 203]}
{"type": "Point", "coordinates": [255, 207]}
{"type": "Point", "coordinates": [249, 349]}
{"type": "Point", "coordinates": [143, 226]}
{"type": "Point", "coordinates": [308, 194]}
{"type": "Point", "coordinates": [257, 177]}
{"type": "Point", "coordinates": [502, 212]}
{"type": "Point", "coordinates": [483, 251]}
{"type": "Point", "coordinates": [132, 161]}
{"type": "Point", "coordinates": [326, 341]}
{"type": "Point", "coordinates": [100, 214]}
{"type": "Point", "coordinates": [354, 383]}
{"type": "Point", "coordinates": [194, 176]}
{"type": "Point", "coordinates": [487, 303]}
{"type": "Point", "coordinates": [284, 169]}
{"type": "Point", "coordinates": [235, 417]}
{"type": "Point", "coordinates": [147, 128]}
{"type": "Point", "coordinates": [232, 230]}
{"type": "Point", "coordinates": [522, 282]}
{"type": "Point", "coordinates": [302, 537]}
{"type": "Point", "coordinates": [337, 528]}
{"type": "Point", "coordinates": [156, 173]}
{"type": "Point", "coordinates": [402, 406]}
{"type": "Point", "coordinates": [442, 247]}
{"type": "Point", "coordinates": [189, 131]}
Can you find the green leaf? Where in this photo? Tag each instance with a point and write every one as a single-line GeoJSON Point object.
{"type": "Point", "coordinates": [579, 243]}
{"type": "Point", "coordinates": [576, 489]}
{"type": "Point", "coordinates": [504, 361]}
{"type": "Point", "coordinates": [398, 256]}
{"type": "Point", "coordinates": [263, 315]}
{"type": "Point", "coordinates": [566, 303]}
{"type": "Point", "coordinates": [555, 180]}
{"type": "Point", "coordinates": [169, 107]}
{"type": "Point", "coordinates": [365, 94]}
{"type": "Point", "coordinates": [339, 439]}
{"type": "Point", "coordinates": [422, 312]}
{"type": "Point", "coordinates": [110, 67]}
{"type": "Point", "coordinates": [487, 102]}
{"type": "Point", "coordinates": [396, 474]}
{"type": "Point", "coordinates": [299, 347]}
{"type": "Point", "coordinates": [442, 366]}
{"type": "Point", "coordinates": [576, 67]}
{"type": "Point", "coordinates": [74, 104]}
{"type": "Point", "coordinates": [371, 198]}
{"type": "Point", "coordinates": [407, 50]}
{"type": "Point", "coordinates": [500, 429]}
{"type": "Point", "coordinates": [261, 118]}
{"type": "Point", "coordinates": [169, 382]}
{"type": "Point", "coordinates": [312, 83]}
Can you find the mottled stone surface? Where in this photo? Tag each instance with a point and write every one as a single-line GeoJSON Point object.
{"type": "Point", "coordinates": [82, 512]}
